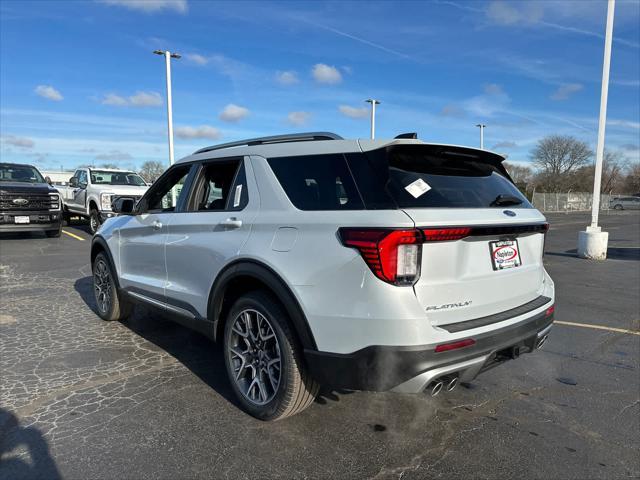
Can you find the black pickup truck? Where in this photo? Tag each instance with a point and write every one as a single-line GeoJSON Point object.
{"type": "Point", "coordinates": [28, 202]}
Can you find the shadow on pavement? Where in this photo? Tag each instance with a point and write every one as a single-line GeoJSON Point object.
{"type": "Point", "coordinates": [195, 351]}
{"type": "Point", "coordinates": [15, 440]}
{"type": "Point", "coordinates": [613, 253]}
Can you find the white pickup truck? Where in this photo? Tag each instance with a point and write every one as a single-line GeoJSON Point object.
{"type": "Point", "coordinates": [90, 191]}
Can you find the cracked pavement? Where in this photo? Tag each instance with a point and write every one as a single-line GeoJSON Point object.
{"type": "Point", "coordinates": [146, 398]}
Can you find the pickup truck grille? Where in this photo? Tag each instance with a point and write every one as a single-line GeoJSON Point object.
{"type": "Point", "coordinates": [25, 202]}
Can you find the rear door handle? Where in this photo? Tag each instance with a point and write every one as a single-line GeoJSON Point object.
{"type": "Point", "coordinates": [156, 225]}
{"type": "Point", "coordinates": [231, 222]}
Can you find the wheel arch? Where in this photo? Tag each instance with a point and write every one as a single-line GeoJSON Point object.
{"type": "Point", "coordinates": [99, 245]}
{"type": "Point", "coordinates": [244, 276]}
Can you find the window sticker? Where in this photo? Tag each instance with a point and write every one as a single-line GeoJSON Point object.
{"type": "Point", "coordinates": [418, 188]}
{"type": "Point", "coordinates": [237, 195]}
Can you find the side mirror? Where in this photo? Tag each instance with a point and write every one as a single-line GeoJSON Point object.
{"type": "Point", "coordinates": [123, 205]}
{"type": "Point", "coordinates": [73, 182]}
{"type": "Point", "coordinates": [48, 180]}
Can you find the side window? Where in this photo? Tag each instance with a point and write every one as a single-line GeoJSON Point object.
{"type": "Point", "coordinates": [82, 177]}
{"type": "Point", "coordinates": [166, 194]}
{"type": "Point", "coordinates": [317, 182]}
{"type": "Point", "coordinates": [217, 189]}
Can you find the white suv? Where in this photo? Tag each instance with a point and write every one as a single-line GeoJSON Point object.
{"type": "Point", "coordinates": [359, 264]}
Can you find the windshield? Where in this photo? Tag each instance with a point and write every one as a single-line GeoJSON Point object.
{"type": "Point", "coordinates": [19, 173]}
{"type": "Point", "coordinates": [103, 177]}
{"type": "Point", "coordinates": [418, 177]}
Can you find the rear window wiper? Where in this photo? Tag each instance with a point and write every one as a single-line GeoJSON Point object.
{"type": "Point", "coordinates": [503, 200]}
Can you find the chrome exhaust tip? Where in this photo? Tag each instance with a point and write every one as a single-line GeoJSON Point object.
{"type": "Point", "coordinates": [541, 341]}
{"type": "Point", "coordinates": [436, 387]}
{"type": "Point", "coordinates": [451, 384]}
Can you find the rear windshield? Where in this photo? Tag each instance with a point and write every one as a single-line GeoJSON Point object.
{"type": "Point", "coordinates": [418, 177]}
{"type": "Point", "coordinates": [102, 177]}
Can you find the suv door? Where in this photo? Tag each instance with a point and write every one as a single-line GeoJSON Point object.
{"type": "Point", "coordinates": [142, 237]}
{"type": "Point", "coordinates": [211, 232]}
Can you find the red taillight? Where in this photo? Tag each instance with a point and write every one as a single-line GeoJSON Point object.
{"type": "Point", "coordinates": [445, 347]}
{"type": "Point", "coordinates": [550, 311]}
{"type": "Point", "coordinates": [392, 255]}
{"type": "Point", "coordinates": [445, 234]}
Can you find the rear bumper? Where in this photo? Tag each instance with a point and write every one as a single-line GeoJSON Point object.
{"type": "Point", "coordinates": [38, 221]}
{"type": "Point", "coordinates": [410, 369]}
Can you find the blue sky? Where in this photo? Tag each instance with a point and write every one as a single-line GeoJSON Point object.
{"type": "Point", "coordinates": [79, 84]}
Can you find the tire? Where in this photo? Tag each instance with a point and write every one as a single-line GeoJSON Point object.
{"type": "Point", "coordinates": [94, 221]}
{"type": "Point", "coordinates": [276, 394]}
{"type": "Point", "coordinates": [109, 302]}
{"type": "Point", "coordinates": [66, 217]}
{"type": "Point", "coordinates": [618, 207]}
{"type": "Point", "coordinates": [54, 233]}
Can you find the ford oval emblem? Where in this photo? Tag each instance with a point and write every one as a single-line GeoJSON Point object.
{"type": "Point", "coordinates": [509, 213]}
{"type": "Point", "coordinates": [20, 201]}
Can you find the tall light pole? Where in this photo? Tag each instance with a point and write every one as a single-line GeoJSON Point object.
{"type": "Point", "coordinates": [482, 127]}
{"type": "Point", "coordinates": [373, 103]}
{"type": "Point", "coordinates": [592, 243]}
{"type": "Point", "coordinates": [167, 61]}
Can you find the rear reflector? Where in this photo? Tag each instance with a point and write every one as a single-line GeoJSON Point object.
{"type": "Point", "coordinates": [550, 311]}
{"type": "Point", "coordinates": [445, 347]}
{"type": "Point", "coordinates": [445, 234]}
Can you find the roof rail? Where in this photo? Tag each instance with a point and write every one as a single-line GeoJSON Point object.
{"type": "Point", "coordinates": [291, 137]}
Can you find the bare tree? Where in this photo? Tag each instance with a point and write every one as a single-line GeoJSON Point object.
{"type": "Point", "coordinates": [521, 174]}
{"type": "Point", "coordinates": [557, 157]}
{"type": "Point", "coordinates": [613, 166]}
{"type": "Point", "coordinates": [151, 170]}
{"type": "Point", "coordinates": [632, 180]}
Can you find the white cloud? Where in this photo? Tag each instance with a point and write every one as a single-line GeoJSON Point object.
{"type": "Point", "coordinates": [504, 144]}
{"type": "Point", "coordinates": [298, 118]}
{"type": "Point", "coordinates": [288, 77]}
{"type": "Point", "coordinates": [21, 142]}
{"type": "Point", "coordinates": [113, 99]}
{"type": "Point", "coordinates": [150, 6]}
{"type": "Point", "coordinates": [48, 92]}
{"type": "Point", "coordinates": [146, 99]}
{"type": "Point", "coordinates": [353, 112]}
{"type": "Point", "coordinates": [203, 131]}
{"type": "Point", "coordinates": [493, 89]}
{"type": "Point", "coordinates": [326, 74]}
{"type": "Point", "coordinates": [565, 91]}
{"type": "Point", "coordinates": [452, 110]}
{"type": "Point", "coordinates": [506, 13]}
{"type": "Point", "coordinates": [197, 58]}
{"type": "Point", "coordinates": [114, 155]}
{"type": "Point", "coordinates": [139, 99]}
{"type": "Point", "coordinates": [233, 113]}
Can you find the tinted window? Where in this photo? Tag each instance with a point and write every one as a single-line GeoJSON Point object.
{"type": "Point", "coordinates": [103, 177]}
{"type": "Point", "coordinates": [215, 186]}
{"type": "Point", "coordinates": [418, 178]}
{"type": "Point", "coordinates": [317, 182]}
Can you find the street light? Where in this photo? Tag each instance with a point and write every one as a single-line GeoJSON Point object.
{"type": "Point", "coordinates": [482, 127]}
{"type": "Point", "coordinates": [373, 103]}
{"type": "Point", "coordinates": [592, 243]}
{"type": "Point", "coordinates": [167, 60]}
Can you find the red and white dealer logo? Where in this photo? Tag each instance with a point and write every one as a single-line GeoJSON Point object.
{"type": "Point", "coordinates": [504, 254]}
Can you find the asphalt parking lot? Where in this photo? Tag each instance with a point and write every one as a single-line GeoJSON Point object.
{"type": "Point", "coordinates": [82, 398]}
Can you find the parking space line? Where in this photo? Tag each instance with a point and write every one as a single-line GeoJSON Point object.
{"type": "Point", "coordinates": [73, 235]}
{"type": "Point", "coordinates": [598, 327]}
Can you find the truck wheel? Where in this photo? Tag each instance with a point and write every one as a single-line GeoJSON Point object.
{"type": "Point", "coordinates": [111, 305]}
{"type": "Point", "coordinates": [94, 221]}
{"type": "Point", "coordinates": [264, 359]}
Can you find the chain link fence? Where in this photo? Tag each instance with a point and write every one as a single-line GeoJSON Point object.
{"type": "Point", "coordinates": [568, 202]}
